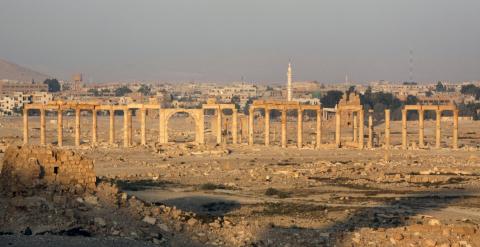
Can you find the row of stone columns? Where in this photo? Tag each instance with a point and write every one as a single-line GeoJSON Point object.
{"type": "Point", "coordinates": [358, 125]}
{"type": "Point", "coordinates": [421, 128]}
{"type": "Point", "coordinates": [358, 128]}
{"type": "Point", "coordinates": [127, 123]}
{"type": "Point", "coordinates": [127, 129]}
{"type": "Point", "coordinates": [283, 127]}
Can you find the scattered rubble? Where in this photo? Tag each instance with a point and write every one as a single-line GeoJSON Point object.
{"type": "Point", "coordinates": [185, 194]}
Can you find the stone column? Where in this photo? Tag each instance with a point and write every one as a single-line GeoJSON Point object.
{"type": "Point", "coordinates": [274, 133]}
{"type": "Point", "coordinates": [361, 121]}
{"type": "Point", "coordinates": [234, 126]}
{"type": "Point", "coordinates": [370, 129]}
{"type": "Point", "coordinates": [455, 130]}
{"type": "Point", "coordinates": [240, 129]}
{"type": "Point", "coordinates": [224, 130]}
{"type": "Point", "coordinates": [338, 129]}
{"type": "Point", "coordinates": [25, 125]}
{"type": "Point", "coordinates": [404, 129]}
{"type": "Point", "coordinates": [200, 136]}
{"type": "Point", "coordinates": [355, 127]}
{"type": "Point", "coordinates": [160, 126]}
{"type": "Point", "coordinates": [250, 125]}
{"type": "Point", "coordinates": [111, 138]}
{"type": "Point", "coordinates": [284, 128]}
{"type": "Point", "coordinates": [219, 125]}
{"type": "Point", "coordinates": [143, 122]}
{"type": "Point", "coordinates": [387, 128]}
{"type": "Point", "coordinates": [94, 127]}
{"type": "Point", "coordinates": [267, 126]}
{"type": "Point", "coordinates": [42, 127]}
{"type": "Point", "coordinates": [162, 123]}
{"type": "Point", "coordinates": [319, 128]}
{"type": "Point", "coordinates": [60, 127]}
{"type": "Point", "coordinates": [125, 128]}
{"type": "Point", "coordinates": [438, 130]}
{"type": "Point", "coordinates": [421, 128]}
{"type": "Point", "coordinates": [299, 128]}
{"type": "Point", "coordinates": [77, 127]}
{"type": "Point", "coordinates": [130, 128]}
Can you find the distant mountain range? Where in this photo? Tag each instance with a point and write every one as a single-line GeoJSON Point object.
{"type": "Point", "coordinates": [13, 71]}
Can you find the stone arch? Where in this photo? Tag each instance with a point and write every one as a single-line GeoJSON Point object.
{"type": "Point", "coordinates": [196, 114]}
{"type": "Point", "coordinates": [181, 127]}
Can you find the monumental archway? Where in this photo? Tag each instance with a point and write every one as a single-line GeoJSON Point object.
{"type": "Point", "coordinates": [196, 114]}
{"type": "Point", "coordinates": [181, 128]}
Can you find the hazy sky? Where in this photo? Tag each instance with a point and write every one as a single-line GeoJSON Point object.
{"type": "Point", "coordinates": [223, 40]}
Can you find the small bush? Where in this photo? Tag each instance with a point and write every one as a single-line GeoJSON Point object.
{"type": "Point", "coordinates": [211, 186]}
{"type": "Point", "coordinates": [275, 192]}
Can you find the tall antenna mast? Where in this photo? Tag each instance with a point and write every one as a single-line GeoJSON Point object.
{"type": "Point", "coordinates": [410, 78]}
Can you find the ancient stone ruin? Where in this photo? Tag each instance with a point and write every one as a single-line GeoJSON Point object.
{"type": "Point", "coordinates": [27, 169]}
{"type": "Point", "coordinates": [349, 111]}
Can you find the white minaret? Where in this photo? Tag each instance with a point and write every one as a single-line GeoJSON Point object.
{"type": "Point", "coordinates": [289, 82]}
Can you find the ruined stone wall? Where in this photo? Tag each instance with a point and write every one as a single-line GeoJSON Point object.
{"type": "Point", "coordinates": [27, 169]}
{"type": "Point", "coordinates": [352, 99]}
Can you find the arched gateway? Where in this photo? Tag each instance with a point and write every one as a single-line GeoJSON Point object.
{"type": "Point", "coordinates": [166, 114]}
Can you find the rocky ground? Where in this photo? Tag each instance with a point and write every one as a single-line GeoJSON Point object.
{"type": "Point", "coordinates": [236, 195]}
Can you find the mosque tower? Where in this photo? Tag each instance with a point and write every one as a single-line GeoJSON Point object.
{"type": "Point", "coordinates": [289, 82]}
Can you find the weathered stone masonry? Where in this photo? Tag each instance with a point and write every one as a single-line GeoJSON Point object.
{"type": "Point", "coordinates": [26, 168]}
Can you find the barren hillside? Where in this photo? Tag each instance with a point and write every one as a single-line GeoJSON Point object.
{"type": "Point", "coordinates": [13, 71]}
